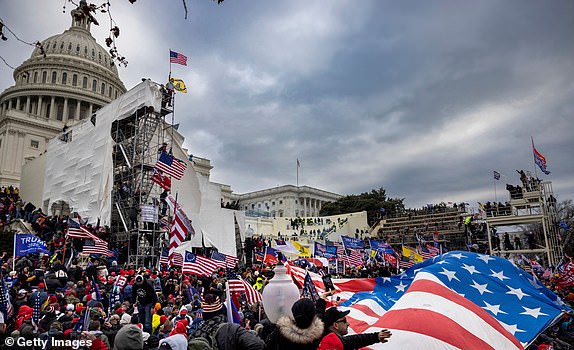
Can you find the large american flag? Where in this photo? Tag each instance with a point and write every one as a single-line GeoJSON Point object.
{"type": "Point", "coordinates": [228, 260]}
{"type": "Point", "coordinates": [521, 304]}
{"type": "Point", "coordinates": [75, 230]}
{"type": "Point", "coordinates": [170, 165]}
{"type": "Point", "coordinates": [198, 265]}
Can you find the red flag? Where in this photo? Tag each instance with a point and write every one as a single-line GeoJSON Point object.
{"type": "Point", "coordinates": [566, 278]}
{"type": "Point", "coordinates": [162, 180]}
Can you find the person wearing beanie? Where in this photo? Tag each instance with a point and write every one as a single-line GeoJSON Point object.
{"type": "Point", "coordinates": [183, 315]}
{"type": "Point", "coordinates": [336, 324]}
{"type": "Point", "coordinates": [302, 330]}
{"type": "Point", "coordinates": [216, 328]}
{"type": "Point", "coordinates": [143, 293]}
{"type": "Point", "coordinates": [129, 337]}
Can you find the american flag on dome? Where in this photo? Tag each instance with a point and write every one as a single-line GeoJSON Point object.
{"type": "Point", "coordinates": [231, 261]}
{"type": "Point", "coordinates": [170, 166]}
{"type": "Point", "coordinates": [518, 301]}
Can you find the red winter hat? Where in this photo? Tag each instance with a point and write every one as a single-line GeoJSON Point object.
{"type": "Point", "coordinates": [180, 328]}
{"type": "Point", "coordinates": [67, 332]}
{"type": "Point", "coordinates": [52, 299]}
{"type": "Point", "coordinates": [41, 285]}
{"type": "Point", "coordinates": [162, 319]}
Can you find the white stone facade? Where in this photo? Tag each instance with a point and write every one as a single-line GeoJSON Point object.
{"type": "Point", "coordinates": [74, 78]}
{"type": "Point", "coordinates": [284, 201]}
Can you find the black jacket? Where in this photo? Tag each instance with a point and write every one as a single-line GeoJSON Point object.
{"type": "Point", "coordinates": [144, 294]}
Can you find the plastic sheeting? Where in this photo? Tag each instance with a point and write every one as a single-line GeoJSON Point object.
{"type": "Point", "coordinates": [79, 171]}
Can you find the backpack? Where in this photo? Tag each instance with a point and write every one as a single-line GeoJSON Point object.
{"type": "Point", "coordinates": [202, 343]}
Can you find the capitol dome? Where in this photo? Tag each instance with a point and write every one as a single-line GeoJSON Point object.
{"type": "Point", "coordinates": [66, 79]}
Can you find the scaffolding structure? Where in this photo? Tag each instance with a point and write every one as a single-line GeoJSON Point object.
{"type": "Point", "coordinates": [532, 213]}
{"type": "Point", "coordinates": [138, 139]}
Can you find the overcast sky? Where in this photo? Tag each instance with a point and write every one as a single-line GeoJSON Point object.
{"type": "Point", "coordinates": [424, 98]}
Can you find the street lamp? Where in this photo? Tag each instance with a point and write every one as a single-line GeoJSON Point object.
{"type": "Point", "coordinates": [279, 294]}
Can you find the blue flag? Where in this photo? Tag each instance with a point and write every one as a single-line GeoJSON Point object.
{"type": "Point", "coordinates": [352, 243]}
{"type": "Point", "coordinates": [29, 244]}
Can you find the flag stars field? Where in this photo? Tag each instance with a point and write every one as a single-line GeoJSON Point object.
{"type": "Point", "coordinates": [517, 291]}
{"type": "Point", "coordinates": [493, 309]}
{"type": "Point", "coordinates": [499, 275]}
{"type": "Point", "coordinates": [481, 288]}
{"type": "Point", "coordinates": [470, 268]}
{"type": "Point", "coordinates": [485, 258]}
{"type": "Point", "coordinates": [533, 312]}
{"type": "Point", "coordinates": [449, 274]}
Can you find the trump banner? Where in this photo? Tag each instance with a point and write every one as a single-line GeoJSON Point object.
{"type": "Point", "coordinates": [25, 244]}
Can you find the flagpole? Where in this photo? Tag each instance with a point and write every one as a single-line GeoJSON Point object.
{"type": "Point", "coordinates": [494, 183]}
{"type": "Point", "coordinates": [297, 172]}
{"type": "Point", "coordinates": [14, 253]}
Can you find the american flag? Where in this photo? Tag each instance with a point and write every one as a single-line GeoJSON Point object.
{"type": "Point", "coordinates": [251, 294]}
{"type": "Point", "coordinates": [170, 165]}
{"type": "Point", "coordinates": [340, 249]}
{"type": "Point", "coordinates": [229, 260]}
{"type": "Point", "coordinates": [164, 258]}
{"type": "Point", "coordinates": [5, 303]}
{"type": "Point", "coordinates": [177, 235]}
{"type": "Point", "coordinates": [235, 284]}
{"type": "Point", "coordinates": [198, 265]}
{"type": "Point", "coordinates": [96, 247]}
{"type": "Point", "coordinates": [36, 306]}
{"type": "Point", "coordinates": [176, 57]}
{"type": "Point", "coordinates": [433, 250]}
{"type": "Point", "coordinates": [518, 301]}
{"type": "Point", "coordinates": [164, 223]}
{"type": "Point", "coordinates": [425, 252]}
{"type": "Point", "coordinates": [353, 258]}
{"type": "Point", "coordinates": [75, 230]}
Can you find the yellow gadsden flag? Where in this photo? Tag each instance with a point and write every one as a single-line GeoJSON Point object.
{"type": "Point", "coordinates": [412, 254]}
{"type": "Point", "coordinates": [178, 85]}
{"type": "Point", "coordinates": [303, 251]}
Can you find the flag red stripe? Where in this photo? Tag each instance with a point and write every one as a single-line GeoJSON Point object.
{"type": "Point", "coordinates": [427, 286]}
{"type": "Point", "coordinates": [409, 320]}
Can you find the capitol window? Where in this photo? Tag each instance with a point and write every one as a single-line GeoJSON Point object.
{"type": "Point", "coordinates": [34, 144]}
{"type": "Point", "coordinates": [94, 85]}
{"type": "Point", "coordinates": [74, 80]}
{"type": "Point", "coordinates": [35, 77]}
{"type": "Point", "coordinates": [44, 76]}
{"type": "Point", "coordinates": [64, 78]}
{"type": "Point", "coordinates": [54, 77]}
{"type": "Point", "coordinates": [103, 89]}
{"type": "Point", "coordinates": [85, 83]}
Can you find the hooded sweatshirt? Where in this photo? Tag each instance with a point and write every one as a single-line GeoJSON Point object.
{"type": "Point", "coordinates": [129, 337]}
{"type": "Point", "coordinates": [176, 342]}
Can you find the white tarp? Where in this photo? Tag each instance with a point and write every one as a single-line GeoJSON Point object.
{"type": "Point", "coordinates": [79, 171]}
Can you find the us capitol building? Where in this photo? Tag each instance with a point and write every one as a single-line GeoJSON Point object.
{"type": "Point", "coordinates": [69, 78]}
{"type": "Point", "coordinates": [74, 78]}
